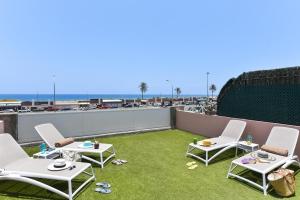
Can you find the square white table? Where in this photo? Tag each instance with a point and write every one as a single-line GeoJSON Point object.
{"type": "Point", "coordinates": [248, 147]}
{"type": "Point", "coordinates": [76, 147]}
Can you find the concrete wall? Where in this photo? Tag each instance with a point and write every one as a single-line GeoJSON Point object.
{"type": "Point", "coordinates": [10, 121]}
{"type": "Point", "coordinates": [1, 127]}
{"type": "Point", "coordinates": [89, 123]}
{"type": "Point", "coordinates": [212, 126]}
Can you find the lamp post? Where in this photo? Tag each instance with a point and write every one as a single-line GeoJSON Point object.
{"type": "Point", "coordinates": [172, 88]}
{"type": "Point", "coordinates": [54, 91]}
{"type": "Point", "coordinates": [207, 74]}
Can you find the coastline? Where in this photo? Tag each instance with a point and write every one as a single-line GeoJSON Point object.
{"type": "Point", "coordinates": [69, 97]}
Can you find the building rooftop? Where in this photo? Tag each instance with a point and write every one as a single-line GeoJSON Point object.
{"type": "Point", "coordinates": [156, 169]}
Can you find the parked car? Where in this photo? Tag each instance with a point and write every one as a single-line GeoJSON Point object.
{"type": "Point", "coordinates": [128, 105]}
{"type": "Point", "coordinates": [37, 109]}
{"type": "Point", "coordinates": [9, 110]}
{"type": "Point", "coordinates": [51, 108]}
{"type": "Point", "coordinates": [24, 110]}
{"type": "Point", "coordinates": [66, 109]}
{"type": "Point", "coordinates": [102, 107]}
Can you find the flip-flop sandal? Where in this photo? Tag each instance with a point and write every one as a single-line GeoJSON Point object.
{"type": "Point", "coordinates": [190, 163]}
{"type": "Point", "coordinates": [116, 162]}
{"type": "Point", "coordinates": [193, 167]}
{"type": "Point", "coordinates": [124, 161]}
{"type": "Point", "coordinates": [103, 184]}
{"type": "Point", "coordinates": [103, 190]}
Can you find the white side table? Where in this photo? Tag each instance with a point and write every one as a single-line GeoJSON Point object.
{"type": "Point", "coordinates": [247, 147]}
{"type": "Point", "coordinates": [103, 148]}
{"type": "Point", "coordinates": [52, 154]}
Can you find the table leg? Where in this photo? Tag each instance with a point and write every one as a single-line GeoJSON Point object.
{"type": "Point", "coordinates": [264, 184]}
{"type": "Point", "coordinates": [101, 160]}
{"type": "Point", "coordinates": [206, 160]}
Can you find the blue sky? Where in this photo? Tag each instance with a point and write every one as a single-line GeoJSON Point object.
{"type": "Point", "coordinates": [111, 46]}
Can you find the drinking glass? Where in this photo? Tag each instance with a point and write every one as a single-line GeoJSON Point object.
{"type": "Point", "coordinates": [43, 148]}
{"type": "Point", "coordinates": [195, 140]}
{"type": "Point", "coordinates": [249, 139]}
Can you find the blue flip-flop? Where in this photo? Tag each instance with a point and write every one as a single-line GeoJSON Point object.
{"type": "Point", "coordinates": [103, 184]}
{"type": "Point", "coordinates": [103, 190]}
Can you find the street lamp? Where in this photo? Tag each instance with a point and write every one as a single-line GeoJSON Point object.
{"type": "Point", "coordinates": [54, 91]}
{"type": "Point", "coordinates": [172, 88]}
{"type": "Point", "coordinates": [207, 74]}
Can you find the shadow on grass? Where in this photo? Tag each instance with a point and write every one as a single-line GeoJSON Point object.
{"type": "Point", "coordinates": [96, 157]}
{"type": "Point", "coordinates": [26, 191]}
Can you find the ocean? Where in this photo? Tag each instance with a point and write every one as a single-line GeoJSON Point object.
{"type": "Point", "coordinates": [65, 97]}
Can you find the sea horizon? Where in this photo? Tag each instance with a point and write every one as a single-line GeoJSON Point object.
{"type": "Point", "coordinates": [69, 97]}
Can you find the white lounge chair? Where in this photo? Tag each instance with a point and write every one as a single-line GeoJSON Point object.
{"type": "Point", "coordinates": [16, 165]}
{"type": "Point", "coordinates": [51, 135]}
{"type": "Point", "coordinates": [228, 139]}
{"type": "Point", "coordinates": [282, 137]}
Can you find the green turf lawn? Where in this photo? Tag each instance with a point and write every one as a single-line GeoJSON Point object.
{"type": "Point", "coordinates": [156, 170]}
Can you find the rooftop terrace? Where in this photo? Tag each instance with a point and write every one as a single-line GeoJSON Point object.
{"type": "Point", "coordinates": [156, 170]}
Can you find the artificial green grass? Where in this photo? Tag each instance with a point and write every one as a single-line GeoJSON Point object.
{"type": "Point", "coordinates": [156, 170]}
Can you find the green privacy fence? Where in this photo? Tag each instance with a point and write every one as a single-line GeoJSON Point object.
{"type": "Point", "coordinates": [269, 95]}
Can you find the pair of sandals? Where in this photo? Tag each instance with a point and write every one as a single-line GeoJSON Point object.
{"type": "Point", "coordinates": [191, 165]}
{"type": "Point", "coordinates": [119, 162]}
{"type": "Point", "coordinates": [103, 187]}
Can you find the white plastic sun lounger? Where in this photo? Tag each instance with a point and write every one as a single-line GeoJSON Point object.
{"type": "Point", "coordinates": [279, 137]}
{"type": "Point", "coordinates": [228, 139]}
{"type": "Point", "coordinates": [51, 135]}
{"type": "Point", "coordinates": [16, 165]}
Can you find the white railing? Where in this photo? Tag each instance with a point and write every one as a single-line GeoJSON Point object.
{"type": "Point", "coordinates": [94, 123]}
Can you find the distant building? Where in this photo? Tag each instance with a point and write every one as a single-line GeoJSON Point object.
{"type": "Point", "coordinates": [59, 105]}
{"type": "Point", "coordinates": [10, 104]}
{"type": "Point", "coordinates": [111, 103]}
{"type": "Point", "coordinates": [95, 101]}
{"type": "Point", "coordinates": [71, 104]}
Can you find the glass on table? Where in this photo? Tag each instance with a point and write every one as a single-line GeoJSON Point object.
{"type": "Point", "coordinates": [43, 148]}
{"type": "Point", "coordinates": [249, 139]}
{"type": "Point", "coordinates": [195, 140]}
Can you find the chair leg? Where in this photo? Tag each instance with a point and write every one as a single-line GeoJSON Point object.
{"type": "Point", "coordinates": [187, 151]}
{"type": "Point", "coordinates": [229, 170]}
{"type": "Point", "coordinates": [93, 173]}
{"type": "Point", "coordinates": [114, 151]}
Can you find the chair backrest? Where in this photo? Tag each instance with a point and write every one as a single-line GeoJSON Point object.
{"type": "Point", "coordinates": [283, 137]}
{"type": "Point", "coordinates": [49, 134]}
{"type": "Point", "coordinates": [234, 129]}
{"type": "Point", "coordinates": [10, 150]}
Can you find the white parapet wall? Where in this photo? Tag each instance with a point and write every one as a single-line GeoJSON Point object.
{"type": "Point", "coordinates": [94, 122]}
{"type": "Point", "coordinates": [1, 126]}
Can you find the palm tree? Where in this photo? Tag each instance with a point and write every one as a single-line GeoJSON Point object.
{"type": "Point", "coordinates": [212, 88]}
{"type": "Point", "coordinates": [143, 87]}
{"type": "Point", "coordinates": [178, 91]}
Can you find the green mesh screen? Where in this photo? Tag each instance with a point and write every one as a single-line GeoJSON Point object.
{"type": "Point", "coordinates": [263, 98]}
